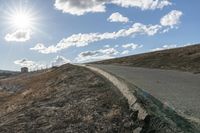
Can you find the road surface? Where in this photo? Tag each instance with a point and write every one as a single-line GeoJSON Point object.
{"type": "Point", "coordinates": [179, 90]}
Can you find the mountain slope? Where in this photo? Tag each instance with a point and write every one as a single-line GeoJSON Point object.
{"type": "Point", "coordinates": [184, 59]}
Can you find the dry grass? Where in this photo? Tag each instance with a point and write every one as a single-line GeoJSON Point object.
{"type": "Point", "coordinates": [184, 59]}
{"type": "Point", "coordinates": [65, 99]}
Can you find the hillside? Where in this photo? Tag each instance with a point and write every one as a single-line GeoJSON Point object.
{"type": "Point", "coordinates": [74, 99]}
{"type": "Point", "coordinates": [64, 99]}
{"type": "Point", "coordinates": [184, 59]}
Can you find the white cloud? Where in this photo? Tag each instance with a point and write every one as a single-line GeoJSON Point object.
{"type": "Point", "coordinates": [166, 30]}
{"type": "Point", "coordinates": [125, 52]}
{"type": "Point", "coordinates": [88, 53]}
{"type": "Point", "coordinates": [92, 58]}
{"type": "Point", "coordinates": [132, 46]}
{"type": "Point", "coordinates": [39, 46]}
{"type": "Point", "coordinates": [171, 19]}
{"type": "Point", "coordinates": [106, 46]}
{"type": "Point", "coordinates": [129, 47]}
{"type": "Point", "coordinates": [188, 44]}
{"type": "Point", "coordinates": [117, 17]}
{"type": "Point", "coordinates": [28, 63]}
{"type": "Point", "coordinates": [116, 46]}
{"type": "Point", "coordinates": [32, 65]}
{"type": "Point", "coordinates": [81, 7]}
{"type": "Point", "coordinates": [60, 60]}
{"type": "Point", "coordinates": [44, 50]}
{"type": "Point", "coordinates": [18, 36]}
{"type": "Point", "coordinates": [80, 40]}
{"type": "Point", "coordinates": [108, 51]}
{"type": "Point", "coordinates": [143, 4]}
{"type": "Point", "coordinates": [100, 54]}
{"type": "Point", "coordinates": [165, 47]}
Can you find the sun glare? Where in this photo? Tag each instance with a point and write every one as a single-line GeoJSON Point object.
{"type": "Point", "coordinates": [21, 19]}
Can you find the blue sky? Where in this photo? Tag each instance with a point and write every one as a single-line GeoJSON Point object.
{"type": "Point", "coordinates": [91, 31]}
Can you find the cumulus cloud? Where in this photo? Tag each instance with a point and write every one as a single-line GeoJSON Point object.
{"type": "Point", "coordinates": [41, 48]}
{"type": "Point", "coordinates": [60, 60]}
{"type": "Point", "coordinates": [88, 53]}
{"type": "Point", "coordinates": [117, 17]}
{"type": "Point", "coordinates": [100, 54]}
{"type": "Point", "coordinates": [108, 51]}
{"type": "Point", "coordinates": [143, 4]}
{"type": "Point", "coordinates": [132, 46]}
{"type": "Point", "coordinates": [32, 65]}
{"type": "Point", "coordinates": [80, 40]}
{"type": "Point", "coordinates": [171, 19]}
{"type": "Point", "coordinates": [189, 44]}
{"type": "Point", "coordinates": [28, 63]}
{"type": "Point", "coordinates": [164, 47]}
{"type": "Point", "coordinates": [81, 7]}
{"type": "Point", "coordinates": [18, 36]}
{"type": "Point", "coordinates": [125, 52]}
{"type": "Point", "coordinates": [116, 46]}
{"type": "Point", "coordinates": [106, 46]}
{"type": "Point", "coordinates": [93, 58]}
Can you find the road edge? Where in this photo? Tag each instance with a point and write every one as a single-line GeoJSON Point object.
{"type": "Point", "coordinates": [145, 105]}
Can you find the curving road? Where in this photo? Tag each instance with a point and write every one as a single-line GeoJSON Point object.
{"type": "Point", "coordinates": [179, 90]}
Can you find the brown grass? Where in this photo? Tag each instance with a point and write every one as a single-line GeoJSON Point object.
{"type": "Point", "coordinates": [65, 99]}
{"type": "Point", "coordinates": [184, 59]}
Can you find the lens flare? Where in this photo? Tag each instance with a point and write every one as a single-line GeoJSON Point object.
{"type": "Point", "coordinates": [21, 19]}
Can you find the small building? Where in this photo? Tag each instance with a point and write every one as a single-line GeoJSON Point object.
{"type": "Point", "coordinates": [24, 69]}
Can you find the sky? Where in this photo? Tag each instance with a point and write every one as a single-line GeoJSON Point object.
{"type": "Point", "coordinates": [41, 33]}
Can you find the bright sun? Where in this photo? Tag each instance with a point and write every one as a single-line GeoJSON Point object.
{"type": "Point", "coordinates": [21, 19]}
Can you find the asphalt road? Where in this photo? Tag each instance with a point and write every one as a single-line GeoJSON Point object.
{"type": "Point", "coordinates": [179, 90]}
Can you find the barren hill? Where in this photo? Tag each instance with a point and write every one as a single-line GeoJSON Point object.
{"type": "Point", "coordinates": [64, 99]}
{"type": "Point", "coordinates": [74, 99]}
{"type": "Point", "coordinates": [184, 59]}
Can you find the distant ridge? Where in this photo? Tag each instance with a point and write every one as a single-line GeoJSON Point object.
{"type": "Point", "coordinates": [183, 59]}
{"type": "Point", "coordinates": [6, 73]}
